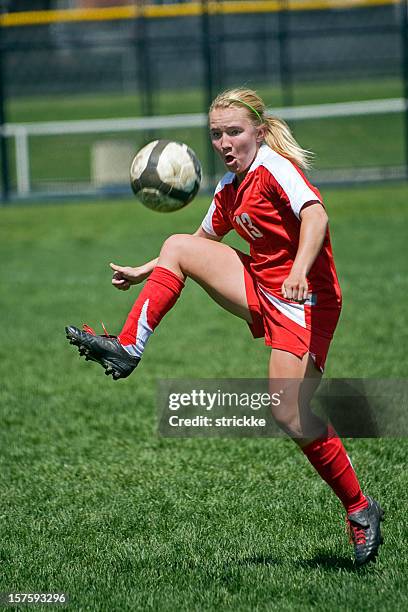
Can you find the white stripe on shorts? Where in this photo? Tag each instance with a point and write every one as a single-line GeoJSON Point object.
{"type": "Point", "coordinates": [294, 312]}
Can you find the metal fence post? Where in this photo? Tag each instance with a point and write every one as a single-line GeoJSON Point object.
{"type": "Point", "coordinates": [209, 75]}
{"type": "Point", "coordinates": [143, 62]}
{"type": "Point", "coordinates": [5, 176]}
{"type": "Point", "coordinates": [285, 65]}
{"type": "Point", "coordinates": [218, 46]}
{"type": "Point", "coordinates": [404, 70]}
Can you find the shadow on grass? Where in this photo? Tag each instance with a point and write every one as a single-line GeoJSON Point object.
{"type": "Point", "coordinates": [321, 560]}
{"type": "Point", "coordinates": [329, 562]}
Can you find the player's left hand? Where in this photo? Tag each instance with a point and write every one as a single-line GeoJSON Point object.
{"type": "Point", "coordinates": [295, 287]}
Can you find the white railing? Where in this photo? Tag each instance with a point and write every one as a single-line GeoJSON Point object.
{"type": "Point", "coordinates": [22, 131]}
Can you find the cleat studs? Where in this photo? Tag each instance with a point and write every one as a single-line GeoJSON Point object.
{"type": "Point", "coordinates": [101, 349]}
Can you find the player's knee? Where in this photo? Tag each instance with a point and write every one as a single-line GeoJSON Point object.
{"type": "Point", "coordinates": [298, 422]}
{"type": "Point", "coordinates": [288, 421]}
{"type": "Point", "coordinates": [175, 245]}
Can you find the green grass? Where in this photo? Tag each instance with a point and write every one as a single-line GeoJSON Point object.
{"type": "Point", "coordinates": [112, 105]}
{"type": "Point", "coordinates": [373, 140]}
{"type": "Point", "coordinates": [353, 142]}
{"type": "Point", "coordinates": [94, 503]}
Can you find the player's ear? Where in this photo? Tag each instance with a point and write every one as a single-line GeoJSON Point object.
{"type": "Point", "coordinates": [260, 133]}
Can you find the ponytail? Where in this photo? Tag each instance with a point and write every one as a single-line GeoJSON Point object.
{"type": "Point", "coordinates": [279, 137]}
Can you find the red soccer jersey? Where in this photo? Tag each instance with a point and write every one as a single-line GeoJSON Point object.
{"type": "Point", "coordinates": [264, 210]}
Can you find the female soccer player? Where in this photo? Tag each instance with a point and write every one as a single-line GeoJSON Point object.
{"type": "Point", "coordinates": [286, 289]}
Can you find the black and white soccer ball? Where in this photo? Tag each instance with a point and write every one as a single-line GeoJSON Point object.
{"type": "Point", "coordinates": [165, 175]}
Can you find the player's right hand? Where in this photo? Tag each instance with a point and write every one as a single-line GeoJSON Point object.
{"type": "Point", "coordinates": [126, 276]}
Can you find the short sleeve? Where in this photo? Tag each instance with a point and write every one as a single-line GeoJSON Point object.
{"type": "Point", "coordinates": [217, 222]}
{"type": "Point", "coordinates": [290, 184]}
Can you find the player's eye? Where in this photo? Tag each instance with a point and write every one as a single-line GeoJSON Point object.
{"type": "Point", "coordinates": [215, 135]}
{"type": "Point", "coordinates": [235, 132]}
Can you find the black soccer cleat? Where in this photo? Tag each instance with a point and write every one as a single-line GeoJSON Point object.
{"type": "Point", "coordinates": [365, 532]}
{"type": "Point", "coordinates": [105, 350]}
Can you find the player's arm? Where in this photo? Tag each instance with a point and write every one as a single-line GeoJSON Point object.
{"type": "Point", "coordinates": [313, 227]}
{"type": "Point", "coordinates": [126, 276]}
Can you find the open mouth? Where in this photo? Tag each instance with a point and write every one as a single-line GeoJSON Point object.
{"type": "Point", "coordinates": [229, 159]}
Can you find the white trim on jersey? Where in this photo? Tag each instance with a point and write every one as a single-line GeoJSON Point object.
{"type": "Point", "coordinates": [287, 176]}
{"type": "Point", "coordinates": [295, 312]}
{"type": "Point", "coordinates": [207, 221]}
{"type": "Point", "coordinates": [226, 180]}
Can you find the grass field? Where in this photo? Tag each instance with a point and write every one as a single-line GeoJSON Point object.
{"type": "Point", "coordinates": [95, 504]}
{"type": "Point", "coordinates": [111, 105]}
{"type": "Point", "coordinates": [372, 140]}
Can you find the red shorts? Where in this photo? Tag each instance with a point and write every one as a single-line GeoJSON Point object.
{"type": "Point", "coordinates": [289, 326]}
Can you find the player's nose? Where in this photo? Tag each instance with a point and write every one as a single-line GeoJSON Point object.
{"type": "Point", "coordinates": [225, 142]}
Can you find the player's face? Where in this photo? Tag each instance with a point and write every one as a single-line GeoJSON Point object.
{"type": "Point", "coordinates": [235, 138]}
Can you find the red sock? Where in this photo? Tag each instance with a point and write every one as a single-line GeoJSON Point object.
{"type": "Point", "coordinates": [329, 458]}
{"type": "Point", "coordinates": [157, 297]}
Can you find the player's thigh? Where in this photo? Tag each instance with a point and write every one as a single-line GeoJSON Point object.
{"type": "Point", "coordinates": [215, 266]}
{"type": "Point", "coordinates": [283, 364]}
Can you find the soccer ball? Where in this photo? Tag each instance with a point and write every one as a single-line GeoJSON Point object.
{"type": "Point", "coordinates": [165, 175]}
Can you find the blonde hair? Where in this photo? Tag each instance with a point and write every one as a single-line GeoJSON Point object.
{"type": "Point", "coordinates": [278, 135]}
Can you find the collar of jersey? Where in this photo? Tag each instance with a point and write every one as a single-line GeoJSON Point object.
{"type": "Point", "coordinates": [260, 156]}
